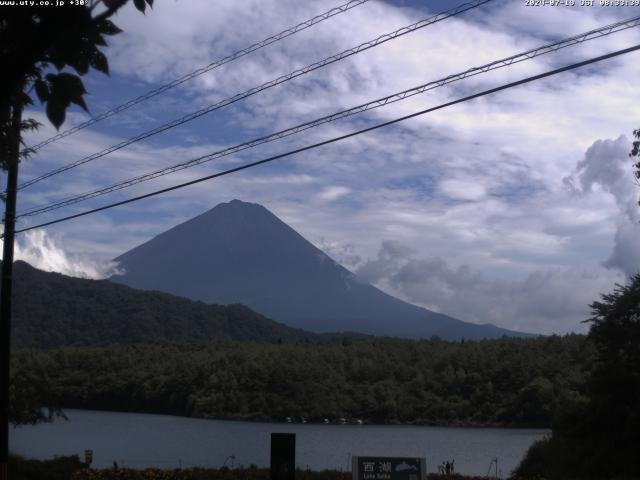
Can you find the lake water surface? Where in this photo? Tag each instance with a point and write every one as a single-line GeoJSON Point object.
{"type": "Point", "coordinates": [141, 440]}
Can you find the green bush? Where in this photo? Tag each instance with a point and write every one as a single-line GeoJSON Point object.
{"type": "Point", "coordinates": [61, 468]}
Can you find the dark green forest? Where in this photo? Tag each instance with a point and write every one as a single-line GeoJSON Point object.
{"type": "Point", "coordinates": [95, 344]}
{"type": "Point", "coordinates": [515, 382]}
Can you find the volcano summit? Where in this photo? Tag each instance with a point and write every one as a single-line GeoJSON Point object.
{"type": "Point", "coordinates": [240, 252]}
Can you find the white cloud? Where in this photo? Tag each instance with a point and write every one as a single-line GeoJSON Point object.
{"type": "Point", "coordinates": [332, 193]}
{"type": "Point", "coordinates": [626, 250]}
{"type": "Point", "coordinates": [607, 170]}
{"type": "Point", "coordinates": [284, 179]}
{"type": "Point", "coordinates": [543, 301]}
{"type": "Point", "coordinates": [45, 253]}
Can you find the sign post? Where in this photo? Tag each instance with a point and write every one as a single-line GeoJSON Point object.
{"type": "Point", "coordinates": [283, 456]}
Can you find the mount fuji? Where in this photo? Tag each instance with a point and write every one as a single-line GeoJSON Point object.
{"type": "Point", "coordinates": [240, 252]}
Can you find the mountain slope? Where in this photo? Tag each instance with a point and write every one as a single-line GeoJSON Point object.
{"type": "Point", "coordinates": [240, 252]}
{"type": "Point", "coordinates": [51, 310]}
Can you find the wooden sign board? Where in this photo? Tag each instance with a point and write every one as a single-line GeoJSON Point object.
{"type": "Point", "coordinates": [388, 468]}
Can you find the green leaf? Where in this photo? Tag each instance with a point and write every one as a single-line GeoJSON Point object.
{"type": "Point", "coordinates": [56, 113]}
{"type": "Point", "coordinates": [25, 99]}
{"type": "Point", "coordinates": [140, 5]}
{"type": "Point", "coordinates": [81, 62]}
{"type": "Point", "coordinates": [29, 124]}
{"type": "Point", "coordinates": [99, 62]}
{"type": "Point", "coordinates": [73, 88]}
{"type": "Point", "coordinates": [107, 27]}
{"type": "Point", "coordinates": [66, 88]}
{"type": "Point", "coordinates": [99, 40]}
{"type": "Point", "coordinates": [70, 83]}
{"type": "Point", "coordinates": [42, 90]}
{"type": "Point", "coordinates": [80, 102]}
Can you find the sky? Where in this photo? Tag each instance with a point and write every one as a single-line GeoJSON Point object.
{"type": "Point", "coordinates": [517, 209]}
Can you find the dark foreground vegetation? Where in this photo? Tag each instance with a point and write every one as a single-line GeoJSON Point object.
{"type": "Point", "coordinates": [71, 468]}
{"type": "Point", "coordinates": [598, 436]}
{"type": "Point", "coordinates": [506, 382]}
{"type": "Point", "coordinates": [61, 468]}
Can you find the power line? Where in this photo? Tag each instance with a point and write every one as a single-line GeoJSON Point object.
{"type": "Point", "coordinates": [337, 139]}
{"type": "Point", "coordinates": [282, 79]}
{"type": "Point", "coordinates": [207, 68]}
{"type": "Point", "coordinates": [530, 54]}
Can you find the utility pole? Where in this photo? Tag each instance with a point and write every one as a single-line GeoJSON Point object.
{"type": "Point", "coordinates": [12, 160]}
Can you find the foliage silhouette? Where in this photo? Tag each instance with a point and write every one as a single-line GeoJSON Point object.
{"type": "Point", "coordinates": [39, 44]}
{"type": "Point", "coordinates": [598, 437]}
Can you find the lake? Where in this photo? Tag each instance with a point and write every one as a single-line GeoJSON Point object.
{"type": "Point", "coordinates": [142, 440]}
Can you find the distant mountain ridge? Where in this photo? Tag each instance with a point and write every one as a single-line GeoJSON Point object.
{"type": "Point", "coordinates": [51, 310]}
{"type": "Point", "coordinates": [240, 252]}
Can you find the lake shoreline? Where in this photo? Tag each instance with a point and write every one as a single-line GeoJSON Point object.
{"type": "Point", "coordinates": [332, 422]}
{"type": "Point", "coordinates": [72, 467]}
{"type": "Point", "coordinates": [141, 441]}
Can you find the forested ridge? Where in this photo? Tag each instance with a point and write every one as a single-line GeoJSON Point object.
{"type": "Point", "coordinates": [516, 382]}
{"type": "Point", "coordinates": [52, 310]}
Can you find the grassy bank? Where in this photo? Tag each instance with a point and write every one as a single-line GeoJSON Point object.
{"type": "Point", "coordinates": [62, 468]}
{"type": "Point", "coordinates": [210, 474]}
{"type": "Point", "coordinates": [71, 468]}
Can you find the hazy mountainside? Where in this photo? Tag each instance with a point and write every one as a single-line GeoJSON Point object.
{"type": "Point", "coordinates": [51, 310]}
{"type": "Point", "coordinates": [240, 252]}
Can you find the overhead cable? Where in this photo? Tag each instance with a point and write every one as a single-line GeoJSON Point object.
{"type": "Point", "coordinates": [505, 62]}
{"type": "Point", "coordinates": [337, 139]}
{"type": "Point", "coordinates": [207, 68]}
{"type": "Point", "coordinates": [272, 83]}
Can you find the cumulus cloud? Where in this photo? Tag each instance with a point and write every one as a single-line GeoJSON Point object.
{"type": "Point", "coordinates": [45, 253]}
{"type": "Point", "coordinates": [392, 253]}
{"type": "Point", "coordinates": [607, 168]}
{"type": "Point", "coordinates": [544, 301]}
{"type": "Point", "coordinates": [344, 254]}
{"type": "Point", "coordinates": [626, 248]}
